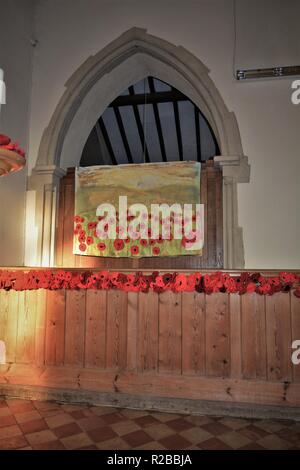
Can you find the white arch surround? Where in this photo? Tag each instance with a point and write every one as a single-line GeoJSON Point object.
{"type": "Point", "coordinates": [100, 79]}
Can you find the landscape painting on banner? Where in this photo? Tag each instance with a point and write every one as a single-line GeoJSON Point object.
{"type": "Point", "coordinates": [138, 210]}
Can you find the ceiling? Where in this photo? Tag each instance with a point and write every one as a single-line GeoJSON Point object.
{"type": "Point", "coordinates": [150, 122]}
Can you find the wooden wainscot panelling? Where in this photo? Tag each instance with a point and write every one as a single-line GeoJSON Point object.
{"type": "Point", "coordinates": [220, 347]}
{"type": "Point", "coordinates": [116, 332]}
{"type": "Point", "coordinates": [95, 332]}
{"type": "Point", "coordinates": [170, 333]}
{"type": "Point", "coordinates": [26, 327]}
{"type": "Point", "coordinates": [193, 333]}
{"type": "Point", "coordinates": [148, 332]}
{"type": "Point", "coordinates": [235, 336]}
{"type": "Point", "coordinates": [279, 336]}
{"type": "Point", "coordinates": [217, 337]}
{"type": "Point", "coordinates": [75, 327]}
{"type": "Point", "coordinates": [132, 330]}
{"type": "Point", "coordinates": [40, 327]}
{"type": "Point", "coordinates": [55, 327]}
{"type": "Point", "coordinates": [160, 385]}
{"type": "Point", "coordinates": [9, 302]}
{"type": "Point", "coordinates": [253, 336]}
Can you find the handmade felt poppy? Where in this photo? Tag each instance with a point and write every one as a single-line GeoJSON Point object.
{"type": "Point", "coordinates": [89, 240]}
{"type": "Point", "coordinates": [134, 250]}
{"type": "Point", "coordinates": [78, 219]}
{"type": "Point", "coordinates": [101, 246]}
{"type": "Point", "coordinates": [92, 225]}
{"type": "Point", "coordinates": [118, 244]}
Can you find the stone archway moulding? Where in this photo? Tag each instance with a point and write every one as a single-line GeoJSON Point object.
{"type": "Point", "coordinates": [131, 57]}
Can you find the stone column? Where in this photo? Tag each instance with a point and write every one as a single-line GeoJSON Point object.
{"type": "Point", "coordinates": [43, 190]}
{"type": "Point", "coordinates": [235, 170]}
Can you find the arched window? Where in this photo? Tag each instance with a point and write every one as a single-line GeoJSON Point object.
{"type": "Point", "coordinates": [150, 121]}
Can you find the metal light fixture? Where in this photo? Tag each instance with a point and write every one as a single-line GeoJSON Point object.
{"type": "Point", "coordinates": [271, 72]}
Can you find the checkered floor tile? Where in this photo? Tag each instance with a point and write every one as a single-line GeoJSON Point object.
{"type": "Point", "coordinates": [44, 425]}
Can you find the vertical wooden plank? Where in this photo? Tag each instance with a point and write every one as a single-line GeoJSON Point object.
{"type": "Point", "coordinates": [4, 314]}
{"type": "Point", "coordinates": [75, 327]}
{"type": "Point", "coordinates": [40, 328]}
{"type": "Point", "coordinates": [193, 333]}
{"type": "Point", "coordinates": [235, 335]}
{"type": "Point", "coordinates": [26, 327]}
{"type": "Point", "coordinates": [116, 345]}
{"type": "Point", "coordinates": [217, 335]}
{"type": "Point", "coordinates": [170, 333]}
{"type": "Point", "coordinates": [132, 332]}
{"type": "Point", "coordinates": [254, 359]}
{"type": "Point", "coordinates": [8, 322]}
{"type": "Point", "coordinates": [279, 336]}
{"type": "Point", "coordinates": [295, 312]}
{"type": "Point", "coordinates": [95, 334]}
{"type": "Point", "coordinates": [55, 327]}
{"type": "Point", "coordinates": [148, 332]}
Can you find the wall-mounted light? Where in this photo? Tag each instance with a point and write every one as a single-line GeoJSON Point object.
{"type": "Point", "coordinates": [274, 72]}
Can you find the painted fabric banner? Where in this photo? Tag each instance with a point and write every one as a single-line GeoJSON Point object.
{"type": "Point", "coordinates": [108, 198]}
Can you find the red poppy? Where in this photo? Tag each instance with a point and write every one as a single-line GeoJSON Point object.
{"type": "Point", "coordinates": [4, 140]}
{"type": "Point", "coordinates": [156, 250]}
{"type": "Point", "coordinates": [101, 246]}
{"type": "Point", "coordinates": [152, 242]}
{"type": "Point", "coordinates": [127, 240]}
{"type": "Point", "coordinates": [143, 242]}
{"type": "Point", "coordinates": [78, 219]}
{"type": "Point", "coordinates": [92, 225]}
{"type": "Point", "coordinates": [89, 240]}
{"type": "Point", "coordinates": [81, 238]}
{"type": "Point", "coordinates": [134, 250]}
{"type": "Point", "coordinates": [118, 244]}
{"type": "Point", "coordinates": [185, 241]}
{"type": "Point", "coordinates": [78, 227]}
{"type": "Point", "coordinates": [180, 283]}
{"type": "Point", "coordinates": [82, 247]}
{"type": "Point", "coordinates": [160, 239]}
{"type": "Point", "coordinates": [251, 287]}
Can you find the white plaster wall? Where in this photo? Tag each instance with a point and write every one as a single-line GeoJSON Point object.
{"type": "Point", "coordinates": [15, 59]}
{"type": "Point", "coordinates": [69, 31]}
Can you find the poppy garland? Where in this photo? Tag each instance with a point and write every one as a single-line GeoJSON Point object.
{"type": "Point", "coordinates": [157, 282]}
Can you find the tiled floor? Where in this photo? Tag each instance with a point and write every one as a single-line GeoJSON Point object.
{"type": "Point", "coordinates": [44, 425]}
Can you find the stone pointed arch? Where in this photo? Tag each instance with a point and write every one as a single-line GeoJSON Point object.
{"type": "Point", "coordinates": [102, 77]}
